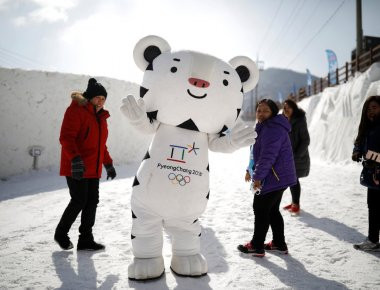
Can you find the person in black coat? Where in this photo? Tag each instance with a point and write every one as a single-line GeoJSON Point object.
{"type": "Point", "coordinates": [299, 136]}
{"type": "Point", "coordinates": [367, 148]}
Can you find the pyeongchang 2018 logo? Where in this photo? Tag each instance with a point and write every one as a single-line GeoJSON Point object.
{"type": "Point", "coordinates": [177, 152]}
{"type": "Point", "coordinates": [179, 179]}
{"type": "Point", "coordinates": [180, 175]}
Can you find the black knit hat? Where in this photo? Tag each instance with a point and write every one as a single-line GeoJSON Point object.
{"type": "Point", "coordinates": [94, 89]}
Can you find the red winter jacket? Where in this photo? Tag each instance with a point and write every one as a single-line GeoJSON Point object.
{"type": "Point", "coordinates": [84, 133]}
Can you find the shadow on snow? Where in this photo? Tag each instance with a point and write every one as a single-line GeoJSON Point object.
{"type": "Point", "coordinates": [36, 182]}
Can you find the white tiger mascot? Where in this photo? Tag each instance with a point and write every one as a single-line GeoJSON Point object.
{"type": "Point", "coordinates": [190, 101]}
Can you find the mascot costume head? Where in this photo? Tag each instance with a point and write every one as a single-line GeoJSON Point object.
{"type": "Point", "coordinates": [191, 102]}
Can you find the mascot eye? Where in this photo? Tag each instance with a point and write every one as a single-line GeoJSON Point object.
{"type": "Point", "coordinates": [225, 82]}
{"type": "Point", "coordinates": [173, 69]}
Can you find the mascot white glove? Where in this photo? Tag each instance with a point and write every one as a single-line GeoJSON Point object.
{"type": "Point", "coordinates": [134, 111]}
{"type": "Point", "coordinates": [242, 135]}
{"type": "Point", "coordinates": [239, 136]}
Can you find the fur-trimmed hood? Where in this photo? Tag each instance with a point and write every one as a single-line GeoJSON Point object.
{"type": "Point", "coordinates": [81, 101]}
{"type": "Point", "coordinates": [79, 98]}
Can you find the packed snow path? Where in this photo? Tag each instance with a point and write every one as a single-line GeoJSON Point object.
{"type": "Point", "coordinates": [333, 217]}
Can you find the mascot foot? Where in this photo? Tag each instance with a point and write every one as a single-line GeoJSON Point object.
{"type": "Point", "coordinates": [146, 269]}
{"type": "Point", "coordinates": [189, 266]}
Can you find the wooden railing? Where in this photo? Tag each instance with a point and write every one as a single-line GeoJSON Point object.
{"type": "Point", "coordinates": [341, 75]}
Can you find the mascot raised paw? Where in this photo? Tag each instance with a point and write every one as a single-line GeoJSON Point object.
{"type": "Point", "coordinates": [190, 101]}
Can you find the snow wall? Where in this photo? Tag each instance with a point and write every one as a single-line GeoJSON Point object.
{"type": "Point", "coordinates": [33, 104]}
{"type": "Point", "coordinates": [32, 107]}
{"type": "Point", "coordinates": [334, 115]}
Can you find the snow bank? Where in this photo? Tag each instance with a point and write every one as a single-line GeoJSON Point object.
{"type": "Point", "coordinates": [33, 104]}
{"type": "Point", "coordinates": [334, 115]}
{"type": "Point", "coordinates": [32, 108]}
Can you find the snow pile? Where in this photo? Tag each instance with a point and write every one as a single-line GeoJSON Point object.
{"type": "Point", "coordinates": [334, 115]}
{"type": "Point", "coordinates": [32, 108]}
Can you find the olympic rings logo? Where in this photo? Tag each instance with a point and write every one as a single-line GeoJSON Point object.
{"type": "Point", "coordinates": [179, 179]}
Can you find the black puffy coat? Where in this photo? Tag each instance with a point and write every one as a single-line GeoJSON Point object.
{"type": "Point", "coordinates": [371, 140]}
{"type": "Point", "coordinates": [299, 136]}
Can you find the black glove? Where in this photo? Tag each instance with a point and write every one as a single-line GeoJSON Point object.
{"type": "Point", "coordinates": [376, 175]}
{"type": "Point", "coordinates": [77, 168]}
{"type": "Point", "coordinates": [111, 172]}
{"type": "Point", "coordinates": [356, 156]}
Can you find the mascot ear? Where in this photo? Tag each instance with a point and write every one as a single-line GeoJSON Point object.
{"type": "Point", "coordinates": [147, 49]}
{"type": "Point", "coordinates": [247, 71]}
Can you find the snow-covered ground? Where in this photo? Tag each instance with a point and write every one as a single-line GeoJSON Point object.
{"type": "Point", "coordinates": [334, 215]}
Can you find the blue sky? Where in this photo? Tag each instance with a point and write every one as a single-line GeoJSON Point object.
{"type": "Point", "coordinates": [97, 37]}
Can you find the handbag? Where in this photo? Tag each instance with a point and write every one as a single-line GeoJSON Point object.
{"type": "Point", "coordinates": [370, 175]}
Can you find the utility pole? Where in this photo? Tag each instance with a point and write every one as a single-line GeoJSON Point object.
{"type": "Point", "coordinates": [257, 86]}
{"type": "Point", "coordinates": [359, 29]}
{"type": "Point", "coordinates": [260, 67]}
{"type": "Point", "coordinates": [255, 99]}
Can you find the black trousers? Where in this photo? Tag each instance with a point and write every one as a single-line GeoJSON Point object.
{"type": "Point", "coordinates": [267, 213]}
{"type": "Point", "coordinates": [373, 200]}
{"type": "Point", "coordinates": [84, 198]}
{"type": "Point", "coordinates": [295, 190]}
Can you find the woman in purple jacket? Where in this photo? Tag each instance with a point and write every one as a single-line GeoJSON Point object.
{"type": "Point", "coordinates": [273, 172]}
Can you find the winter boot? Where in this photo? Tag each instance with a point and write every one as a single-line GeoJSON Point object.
{"type": "Point", "coordinates": [63, 241]}
{"type": "Point", "coordinates": [367, 245]}
{"type": "Point", "coordinates": [248, 249]}
{"type": "Point", "coordinates": [89, 245]}
{"type": "Point", "coordinates": [272, 247]}
{"type": "Point", "coordinates": [287, 207]}
{"type": "Point", "coordinates": [295, 209]}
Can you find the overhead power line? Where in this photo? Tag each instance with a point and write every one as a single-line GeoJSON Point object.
{"type": "Point", "coordinates": [6, 61]}
{"type": "Point", "coordinates": [290, 17]}
{"type": "Point", "coordinates": [269, 27]}
{"type": "Point", "coordinates": [303, 27]}
{"type": "Point", "coordinates": [315, 35]}
{"type": "Point", "coordinates": [277, 47]}
{"type": "Point", "coordinates": [12, 57]}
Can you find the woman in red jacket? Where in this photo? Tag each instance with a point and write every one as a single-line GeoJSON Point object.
{"type": "Point", "coordinates": [83, 138]}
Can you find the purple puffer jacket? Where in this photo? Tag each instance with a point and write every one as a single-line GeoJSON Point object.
{"type": "Point", "coordinates": [273, 155]}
